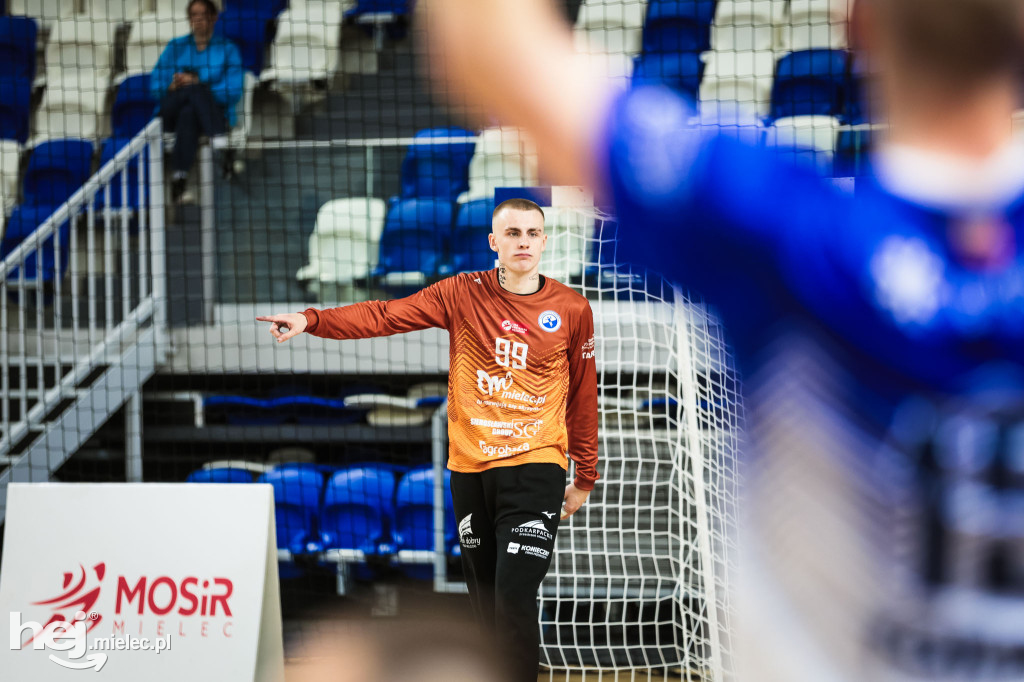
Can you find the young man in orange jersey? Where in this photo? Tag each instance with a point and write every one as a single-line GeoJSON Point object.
{"type": "Point", "coordinates": [522, 396]}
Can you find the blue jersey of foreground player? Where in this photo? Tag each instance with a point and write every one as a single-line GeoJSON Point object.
{"type": "Point", "coordinates": [883, 354]}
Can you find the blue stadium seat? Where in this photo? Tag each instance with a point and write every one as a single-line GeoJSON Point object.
{"type": "Point", "coordinates": [15, 107]}
{"type": "Point", "coordinates": [56, 169]}
{"type": "Point", "coordinates": [440, 171]}
{"type": "Point", "coordinates": [358, 509]}
{"type": "Point", "coordinates": [397, 7]}
{"type": "Point", "coordinates": [810, 83]}
{"type": "Point", "coordinates": [250, 30]}
{"type": "Point", "coordinates": [381, 17]}
{"type": "Point", "coordinates": [851, 155]}
{"type": "Point", "coordinates": [241, 410]}
{"type": "Point", "coordinates": [470, 248]}
{"type": "Point", "coordinates": [857, 110]}
{"type": "Point", "coordinates": [18, 47]}
{"type": "Point", "coordinates": [289, 404]}
{"type": "Point", "coordinates": [681, 71]}
{"type": "Point", "coordinates": [109, 149]}
{"type": "Point", "coordinates": [414, 510]}
{"type": "Point", "coordinates": [312, 410]}
{"type": "Point", "coordinates": [675, 26]}
{"type": "Point", "coordinates": [297, 492]}
{"type": "Point", "coordinates": [133, 106]}
{"type": "Point", "coordinates": [220, 475]}
{"type": "Point", "coordinates": [415, 240]}
{"type": "Point", "coordinates": [265, 8]}
{"type": "Point", "coordinates": [23, 222]}
{"type": "Point", "coordinates": [414, 522]}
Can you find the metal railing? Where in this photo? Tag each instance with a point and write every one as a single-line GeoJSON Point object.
{"type": "Point", "coordinates": [79, 295]}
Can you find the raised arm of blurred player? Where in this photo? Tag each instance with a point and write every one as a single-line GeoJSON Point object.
{"type": "Point", "coordinates": [515, 58]}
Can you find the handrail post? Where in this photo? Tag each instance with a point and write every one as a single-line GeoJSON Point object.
{"type": "Point", "coordinates": [158, 238]}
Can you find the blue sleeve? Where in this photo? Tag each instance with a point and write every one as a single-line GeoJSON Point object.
{"type": "Point", "coordinates": [711, 212]}
{"type": "Point", "coordinates": [163, 73]}
{"type": "Point", "coordinates": [228, 89]}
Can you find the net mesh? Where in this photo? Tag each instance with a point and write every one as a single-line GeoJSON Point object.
{"type": "Point", "coordinates": [639, 582]}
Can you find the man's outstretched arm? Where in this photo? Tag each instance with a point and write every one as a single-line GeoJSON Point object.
{"type": "Point", "coordinates": [369, 319]}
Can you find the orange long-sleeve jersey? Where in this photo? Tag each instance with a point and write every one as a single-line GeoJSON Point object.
{"type": "Point", "coordinates": [522, 382]}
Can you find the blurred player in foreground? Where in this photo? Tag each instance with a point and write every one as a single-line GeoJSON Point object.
{"type": "Point", "coordinates": [522, 393]}
{"type": "Point", "coordinates": [881, 337]}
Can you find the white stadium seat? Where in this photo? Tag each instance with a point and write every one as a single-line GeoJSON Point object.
{"type": "Point", "coordinates": [737, 119]}
{"type": "Point", "coordinates": [114, 11]}
{"type": "Point", "coordinates": [742, 77]}
{"type": "Point", "coordinates": [818, 24]}
{"type": "Point", "coordinates": [805, 139]}
{"type": "Point", "coordinates": [73, 104]}
{"type": "Point", "coordinates": [45, 12]}
{"type": "Point", "coordinates": [610, 26]}
{"type": "Point", "coordinates": [343, 247]}
{"type": "Point", "coordinates": [10, 156]}
{"type": "Point", "coordinates": [79, 43]}
{"type": "Point", "coordinates": [305, 47]}
{"type": "Point", "coordinates": [239, 134]}
{"type": "Point", "coordinates": [747, 25]}
{"type": "Point", "coordinates": [148, 37]}
{"type": "Point", "coordinates": [503, 158]}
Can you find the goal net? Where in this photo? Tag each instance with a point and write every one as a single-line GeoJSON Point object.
{"type": "Point", "coordinates": [638, 587]}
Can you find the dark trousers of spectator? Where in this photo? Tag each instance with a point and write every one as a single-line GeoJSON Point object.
{"type": "Point", "coordinates": [190, 112]}
{"type": "Point", "coordinates": [507, 518]}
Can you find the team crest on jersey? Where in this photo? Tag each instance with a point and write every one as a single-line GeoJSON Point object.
{"type": "Point", "coordinates": [550, 321]}
{"type": "Point", "coordinates": [513, 326]}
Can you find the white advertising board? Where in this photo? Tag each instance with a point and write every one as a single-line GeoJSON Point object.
{"type": "Point", "coordinates": [128, 582]}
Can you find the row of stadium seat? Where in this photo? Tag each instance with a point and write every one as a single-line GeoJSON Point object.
{"type": "Point", "coordinates": [615, 26]}
{"type": "Point", "coordinates": [673, 39]}
{"type": "Point", "coordinates": [291, 405]}
{"type": "Point", "coordinates": [423, 234]}
{"type": "Point", "coordinates": [731, 52]}
{"type": "Point", "coordinates": [377, 513]}
{"type": "Point", "coordinates": [416, 241]}
{"type": "Point", "coordinates": [302, 40]}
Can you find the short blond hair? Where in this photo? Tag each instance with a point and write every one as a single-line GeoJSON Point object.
{"type": "Point", "coordinates": [517, 204]}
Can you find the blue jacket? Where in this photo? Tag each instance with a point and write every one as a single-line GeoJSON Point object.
{"type": "Point", "coordinates": [883, 371]}
{"type": "Point", "coordinates": [219, 66]}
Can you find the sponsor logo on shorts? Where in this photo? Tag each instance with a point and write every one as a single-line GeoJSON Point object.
{"type": "Point", "coordinates": [513, 326]}
{"type": "Point", "coordinates": [550, 321]}
{"type": "Point", "coordinates": [502, 450]}
{"type": "Point", "coordinates": [533, 529]}
{"type": "Point", "coordinates": [538, 552]}
{"type": "Point", "coordinates": [466, 538]}
{"type": "Point", "coordinates": [513, 548]}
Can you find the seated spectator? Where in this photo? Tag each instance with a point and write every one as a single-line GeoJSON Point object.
{"type": "Point", "coordinates": [197, 81]}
